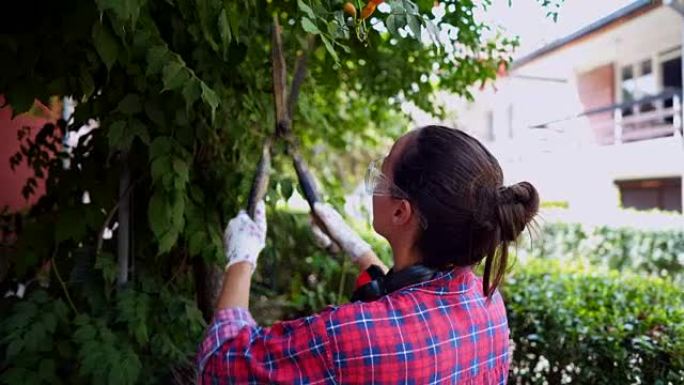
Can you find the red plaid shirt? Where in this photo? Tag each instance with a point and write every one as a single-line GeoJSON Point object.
{"type": "Point", "coordinates": [439, 331]}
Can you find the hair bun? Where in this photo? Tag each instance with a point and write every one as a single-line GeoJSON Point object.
{"type": "Point", "coordinates": [518, 204]}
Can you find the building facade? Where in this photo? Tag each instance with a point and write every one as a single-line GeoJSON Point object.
{"type": "Point", "coordinates": [594, 119]}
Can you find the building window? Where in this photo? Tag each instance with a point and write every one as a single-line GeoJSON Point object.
{"type": "Point", "coordinates": [646, 84]}
{"type": "Point", "coordinates": [638, 81]}
{"type": "Point", "coordinates": [628, 86]}
{"type": "Point", "coordinates": [671, 70]}
{"type": "Point", "coordinates": [647, 194]}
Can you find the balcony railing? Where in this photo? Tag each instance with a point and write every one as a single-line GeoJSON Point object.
{"type": "Point", "coordinates": [647, 118]}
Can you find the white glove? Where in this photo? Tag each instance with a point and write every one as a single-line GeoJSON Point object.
{"type": "Point", "coordinates": [347, 238]}
{"type": "Point", "coordinates": [244, 238]}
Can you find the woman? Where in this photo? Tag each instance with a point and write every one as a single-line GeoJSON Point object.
{"type": "Point", "coordinates": [439, 200]}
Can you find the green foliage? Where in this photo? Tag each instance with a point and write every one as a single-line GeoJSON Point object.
{"type": "Point", "coordinates": [31, 337]}
{"type": "Point", "coordinates": [554, 204]}
{"type": "Point", "coordinates": [183, 98]}
{"type": "Point", "coordinates": [46, 343]}
{"type": "Point", "coordinates": [572, 324]}
{"type": "Point", "coordinates": [657, 252]}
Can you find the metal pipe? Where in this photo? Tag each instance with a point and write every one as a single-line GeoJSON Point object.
{"type": "Point", "coordinates": [123, 237]}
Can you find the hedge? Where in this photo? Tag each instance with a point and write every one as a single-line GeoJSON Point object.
{"type": "Point", "coordinates": [649, 251]}
{"type": "Point", "coordinates": [573, 323]}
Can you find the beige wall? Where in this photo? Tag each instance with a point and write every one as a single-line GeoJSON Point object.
{"type": "Point", "coordinates": [567, 162]}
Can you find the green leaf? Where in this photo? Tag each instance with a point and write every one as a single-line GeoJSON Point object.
{"type": "Point", "coordinates": [397, 6]}
{"type": "Point", "coordinates": [126, 10]}
{"type": "Point", "coordinates": [130, 366]}
{"type": "Point", "coordinates": [234, 18]}
{"type": "Point", "coordinates": [157, 56]}
{"type": "Point", "coordinates": [306, 9]}
{"type": "Point", "coordinates": [157, 214]}
{"type": "Point", "coordinates": [210, 97]}
{"type": "Point", "coordinates": [410, 7]}
{"type": "Point", "coordinates": [106, 263]}
{"type": "Point", "coordinates": [182, 170]}
{"type": "Point", "coordinates": [14, 348]}
{"type": "Point", "coordinates": [35, 337]}
{"type": "Point", "coordinates": [191, 92]}
{"type": "Point", "coordinates": [105, 45]}
{"type": "Point", "coordinates": [309, 26]}
{"type": "Point", "coordinates": [330, 48]}
{"type": "Point", "coordinates": [161, 146]}
{"type": "Point", "coordinates": [177, 211]}
{"type": "Point", "coordinates": [196, 242]}
{"type": "Point", "coordinates": [136, 129]}
{"type": "Point", "coordinates": [130, 104]}
{"type": "Point", "coordinates": [87, 84]}
{"type": "Point", "coordinates": [121, 134]}
{"type": "Point", "coordinates": [286, 188]}
{"type": "Point", "coordinates": [154, 112]}
{"type": "Point", "coordinates": [174, 76]}
{"type": "Point", "coordinates": [50, 322]}
{"type": "Point", "coordinates": [117, 135]}
{"type": "Point", "coordinates": [167, 241]}
{"type": "Point", "coordinates": [414, 25]}
{"type": "Point", "coordinates": [394, 23]}
{"type": "Point", "coordinates": [159, 169]}
{"type": "Point", "coordinates": [224, 29]}
{"type": "Point", "coordinates": [23, 315]}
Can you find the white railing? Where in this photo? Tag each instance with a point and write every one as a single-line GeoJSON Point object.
{"type": "Point", "coordinates": [648, 118]}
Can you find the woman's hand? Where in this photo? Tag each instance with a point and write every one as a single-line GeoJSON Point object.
{"type": "Point", "coordinates": [244, 238]}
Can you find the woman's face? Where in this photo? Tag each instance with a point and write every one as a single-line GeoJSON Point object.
{"type": "Point", "coordinates": [389, 213]}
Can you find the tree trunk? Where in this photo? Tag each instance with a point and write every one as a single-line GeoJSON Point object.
{"type": "Point", "coordinates": [208, 282]}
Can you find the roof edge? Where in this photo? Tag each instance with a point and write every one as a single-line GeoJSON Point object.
{"type": "Point", "coordinates": [624, 12]}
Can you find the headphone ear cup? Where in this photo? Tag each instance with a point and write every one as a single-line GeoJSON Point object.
{"type": "Point", "coordinates": [382, 284]}
{"type": "Point", "coordinates": [408, 276]}
{"type": "Point", "coordinates": [368, 292]}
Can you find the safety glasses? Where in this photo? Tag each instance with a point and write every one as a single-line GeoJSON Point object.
{"type": "Point", "coordinates": [377, 183]}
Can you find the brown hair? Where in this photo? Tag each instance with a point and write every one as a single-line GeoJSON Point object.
{"type": "Point", "coordinates": [457, 186]}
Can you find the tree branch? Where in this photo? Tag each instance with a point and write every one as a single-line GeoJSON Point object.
{"type": "Point", "coordinates": [61, 281]}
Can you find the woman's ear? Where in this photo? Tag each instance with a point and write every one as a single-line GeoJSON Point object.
{"type": "Point", "coordinates": [402, 213]}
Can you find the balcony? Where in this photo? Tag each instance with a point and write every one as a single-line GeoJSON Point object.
{"type": "Point", "coordinates": [652, 117]}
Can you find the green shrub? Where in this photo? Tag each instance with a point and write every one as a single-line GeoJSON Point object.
{"type": "Point", "coordinates": [576, 324]}
{"type": "Point", "coordinates": [554, 204]}
{"type": "Point", "coordinates": [145, 331]}
{"type": "Point", "coordinates": [653, 252]}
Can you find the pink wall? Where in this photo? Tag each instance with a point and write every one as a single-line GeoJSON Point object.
{"type": "Point", "coordinates": [596, 90]}
{"type": "Point", "coordinates": [12, 181]}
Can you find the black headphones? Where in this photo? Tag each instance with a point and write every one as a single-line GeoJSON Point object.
{"type": "Point", "coordinates": [382, 284]}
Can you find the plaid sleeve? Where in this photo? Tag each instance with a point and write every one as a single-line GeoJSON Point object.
{"type": "Point", "coordinates": [236, 350]}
